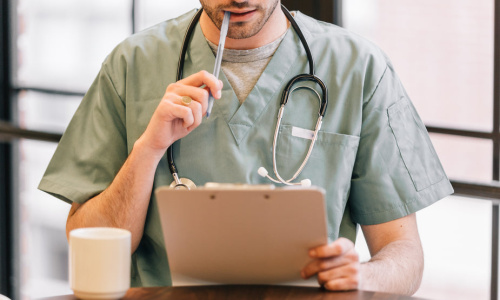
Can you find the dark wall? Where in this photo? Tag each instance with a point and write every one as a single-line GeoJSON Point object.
{"type": "Point", "coordinates": [324, 10]}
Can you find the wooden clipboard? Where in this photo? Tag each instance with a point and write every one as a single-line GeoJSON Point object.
{"type": "Point", "coordinates": [241, 235]}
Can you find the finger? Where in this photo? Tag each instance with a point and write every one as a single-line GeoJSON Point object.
{"type": "Point", "coordinates": [179, 111]}
{"type": "Point", "coordinates": [196, 109]}
{"type": "Point", "coordinates": [348, 270]}
{"type": "Point", "coordinates": [197, 94]}
{"type": "Point", "coordinates": [338, 247]}
{"type": "Point", "coordinates": [342, 284]}
{"type": "Point", "coordinates": [204, 78]}
{"type": "Point", "coordinates": [323, 264]}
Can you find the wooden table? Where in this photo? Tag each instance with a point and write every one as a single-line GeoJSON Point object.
{"type": "Point", "coordinates": [247, 292]}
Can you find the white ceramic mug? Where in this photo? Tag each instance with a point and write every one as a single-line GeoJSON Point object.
{"type": "Point", "coordinates": [99, 262]}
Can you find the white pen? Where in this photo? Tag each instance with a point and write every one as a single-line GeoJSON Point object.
{"type": "Point", "coordinates": [218, 57]}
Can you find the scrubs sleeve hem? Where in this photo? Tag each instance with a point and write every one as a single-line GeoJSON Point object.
{"type": "Point", "coordinates": [62, 192]}
{"type": "Point", "coordinates": [425, 198]}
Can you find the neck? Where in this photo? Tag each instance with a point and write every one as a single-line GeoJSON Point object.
{"type": "Point", "coordinates": [275, 26]}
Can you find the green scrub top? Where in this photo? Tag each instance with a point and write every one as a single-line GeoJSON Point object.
{"type": "Point", "coordinates": [373, 155]}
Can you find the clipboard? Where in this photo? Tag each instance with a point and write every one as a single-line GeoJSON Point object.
{"type": "Point", "coordinates": [234, 235]}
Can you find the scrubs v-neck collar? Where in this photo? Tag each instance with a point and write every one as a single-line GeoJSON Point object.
{"type": "Point", "coordinates": [241, 118]}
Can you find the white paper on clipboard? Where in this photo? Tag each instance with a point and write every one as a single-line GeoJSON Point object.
{"type": "Point", "coordinates": [241, 236]}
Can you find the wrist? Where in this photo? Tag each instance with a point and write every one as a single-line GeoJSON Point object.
{"type": "Point", "coordinates": [146, 152]}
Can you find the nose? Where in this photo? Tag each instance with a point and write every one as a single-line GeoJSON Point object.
{"type": "Point", "coordinates": [239, 2]}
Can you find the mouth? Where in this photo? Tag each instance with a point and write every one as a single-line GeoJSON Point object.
{"type": "Point", "coordinates": [241, 15]}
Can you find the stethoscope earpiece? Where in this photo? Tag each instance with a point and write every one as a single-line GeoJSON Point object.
{"type": "Point", "coordinates": [263, 172]}
{"type": "Point", "coordinates": [306, 182]}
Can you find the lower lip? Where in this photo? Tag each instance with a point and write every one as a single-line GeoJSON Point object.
{"type": "Point", "coordinates": [242, 17]}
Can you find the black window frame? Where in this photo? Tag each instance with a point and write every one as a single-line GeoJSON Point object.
{"type": "Point", "coordinates": [326, 10]}
{"type": "Point", "coordinates": [6, 194]}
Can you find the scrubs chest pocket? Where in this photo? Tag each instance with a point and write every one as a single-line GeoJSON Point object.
{"type": "Point", "coordinates": [414, 145]}
{"type": "Point", "coordinates": [331, 160]}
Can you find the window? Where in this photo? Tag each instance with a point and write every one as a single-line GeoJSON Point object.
{"type": "Point", "coordinates": [60, 47]}
{"type": "Point", "coordinates": [444, 54]}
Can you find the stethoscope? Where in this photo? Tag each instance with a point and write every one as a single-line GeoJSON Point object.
{"type": "Point", "coordinates": [185, 183]}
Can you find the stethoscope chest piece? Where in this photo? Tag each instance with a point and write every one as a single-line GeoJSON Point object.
{"type": "Point", "coordinates": [184, 184]}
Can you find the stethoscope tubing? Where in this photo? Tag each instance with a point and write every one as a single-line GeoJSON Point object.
{"type": "Point", "coordinates": [284, 99]}
{"type": "Point", "coordinates": [180, 71]}
{"type": "Point", "coordinates": [307, 77]}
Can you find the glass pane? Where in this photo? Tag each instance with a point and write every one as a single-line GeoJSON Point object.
{"type": "Point", "coordinates": [62, 43]}
{"type": "Point", "coordinates": [454, 269]}
{"type": "Point", "coordinates": [46, 112]}
{"type": "Point", "coordinates": [150, 12]}
{"type": "Point", "coordinates": [43, 245]}
{"type": "Point", "coordinates": [442, 50]}
{"type": "Point", "coordinates": [465, 158]}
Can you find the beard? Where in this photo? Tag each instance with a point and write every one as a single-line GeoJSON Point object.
{"type": "Point", "coordinates": [240, 30]}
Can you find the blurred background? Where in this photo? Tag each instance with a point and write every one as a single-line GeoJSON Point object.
{"type": "Point", "coordinates": [444, 52]}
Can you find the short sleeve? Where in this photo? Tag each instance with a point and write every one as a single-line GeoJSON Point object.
{"type": "Point", "coordinates": [397, 171]}
{"type": "Point", "coordinates": [93, 147]}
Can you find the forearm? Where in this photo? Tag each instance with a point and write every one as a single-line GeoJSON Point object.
{"type": "Point", "coordinates": [396, 268]}
{"type": "Point", "coordinates": [125, 202]}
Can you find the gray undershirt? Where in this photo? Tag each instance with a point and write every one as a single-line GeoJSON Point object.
{"type": "Point", "coordinates": [244, 67]}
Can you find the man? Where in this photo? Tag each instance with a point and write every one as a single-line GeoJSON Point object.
{"type": "Point", "coordinates": [373, 156]}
